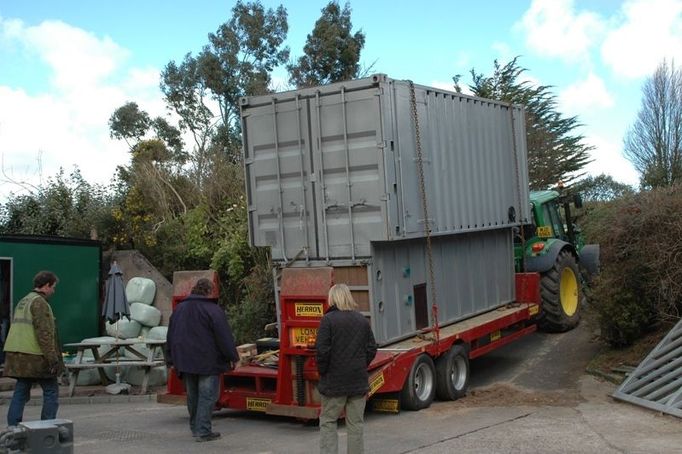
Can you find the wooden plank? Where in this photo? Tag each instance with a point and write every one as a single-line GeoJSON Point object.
{"type": "Point", "coordinates": [120, 342]}
{"type": "Point", "coordinates": [113, 364]}
{"type": "Point", "coordinates": [351, 275]}
{"type": "Point", "coordinates": [356, 278]}
{"type": "Point", "coordinates": [172, 399]}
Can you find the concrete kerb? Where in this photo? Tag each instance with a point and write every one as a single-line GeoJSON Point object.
{"type": "Point", "coordinates": [81, 400]}
{"type": "Point", "coordinates": [84, 395]}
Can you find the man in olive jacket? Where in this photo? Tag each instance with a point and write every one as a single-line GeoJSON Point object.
{"type": "Point", "coordinates": [345, 347]}
{"type": "Point", "coordinates": [32, 350]}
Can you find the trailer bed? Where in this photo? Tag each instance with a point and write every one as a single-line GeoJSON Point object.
{"type": "Point", "coordinates": [459, 328]}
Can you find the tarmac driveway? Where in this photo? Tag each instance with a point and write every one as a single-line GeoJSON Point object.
{"type": "Point", "coordinates": [529, 397]}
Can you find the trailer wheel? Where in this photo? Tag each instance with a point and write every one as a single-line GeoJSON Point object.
{"type": "Point", "coordinates": [452, 373]}
{"type": "Point", "coordinates": [561, 295]}
{"type": "Point", "coordinates": [420, 386]}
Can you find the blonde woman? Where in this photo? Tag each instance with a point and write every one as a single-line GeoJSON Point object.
{"type": "Point", "coordinates": [345, 347]}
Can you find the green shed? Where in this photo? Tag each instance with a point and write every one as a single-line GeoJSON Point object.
{"type": "Point", "coordinates": [77, 263]}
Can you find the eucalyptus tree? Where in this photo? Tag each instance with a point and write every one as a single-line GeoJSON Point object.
{"type": "Point", "coordinates": [332, 50]}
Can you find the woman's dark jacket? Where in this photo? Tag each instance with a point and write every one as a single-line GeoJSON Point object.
{"type": "Point", "coordinates": [345, 347]}
{"type": "Point", "coordinates": [199, 339]}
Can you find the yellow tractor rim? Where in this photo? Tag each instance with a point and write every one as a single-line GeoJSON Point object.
{"type": "Point", "coordinates": [569, 292]}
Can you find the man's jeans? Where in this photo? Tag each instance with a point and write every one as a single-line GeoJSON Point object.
{"type": "Point", "coordinates": [202, 395]}
{"type": "Point", "coordinates": [22, 394]}
{"type": "Point", "coordinates": [331, 411]}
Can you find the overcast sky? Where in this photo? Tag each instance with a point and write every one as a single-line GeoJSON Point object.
{"type": "Point", "coordinates": [65, 66]}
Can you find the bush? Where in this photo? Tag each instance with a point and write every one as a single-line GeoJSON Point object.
{"type": "Point", "coordinates": [249, 316]}
{"type": "Point", "coordinates": [641, 262]}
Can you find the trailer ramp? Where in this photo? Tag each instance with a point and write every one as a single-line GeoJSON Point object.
{"type": "Point", "coordinates": [657, 382]}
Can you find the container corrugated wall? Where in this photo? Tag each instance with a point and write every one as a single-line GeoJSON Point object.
{"type": "Point", "coordinates": [331, 169]}
{"type": "Point", "coordinates": [474, 272]}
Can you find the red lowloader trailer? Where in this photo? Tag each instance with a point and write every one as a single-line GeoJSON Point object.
{"type": "Point", "coordinates": [407, 374]}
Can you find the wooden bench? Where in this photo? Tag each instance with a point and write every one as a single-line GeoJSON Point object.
{"type": "Point", "coordinates": [110, 359]}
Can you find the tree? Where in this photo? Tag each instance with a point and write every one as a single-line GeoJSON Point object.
{"type": "Point", "coordinates": [238, 61]}
{"type": "Point", "coordinates": [151, 187]}
{"type": "Point", "coordinates": [129, 123]}
{"type": "Point", "coordinates": [332, 52]}
{"type": "Point", "coordinates": [64, 206]}
{"type": "Point", "coordinates": [654, 142]}
{"type": "Point", "coordinates": [183, 206]}
{"type": "Point", "coordinates": [556, 152]}
{"type": "Point", "coordinates": [602, 188]}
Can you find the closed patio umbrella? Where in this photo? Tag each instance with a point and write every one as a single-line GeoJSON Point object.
{"type": "Point", "coordinates": [115, 308]}
{"type": "Point", "coordinates": [115, 302]}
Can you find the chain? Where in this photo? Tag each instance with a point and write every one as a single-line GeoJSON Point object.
{"type": "Point", "coordinates": [425, 211]}
{"type": "Point", "coordinates": [518, 187]}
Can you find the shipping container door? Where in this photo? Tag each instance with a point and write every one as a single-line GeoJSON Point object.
{"type": "Point", "coordinates": [411, 192]}
{"type": "Point", "coordinates": [348, 159]}
{"type": "Point", "coordinates": [277, 157]}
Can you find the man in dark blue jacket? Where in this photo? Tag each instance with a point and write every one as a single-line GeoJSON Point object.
{"type": "Point", "coordinates": [200, 346]}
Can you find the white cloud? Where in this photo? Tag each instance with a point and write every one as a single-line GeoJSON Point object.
{"type": "Point", "coordinates": [68, 124]}
{"type": "Point", "coordinates": [77, 57]}
{"type": "Point", "coordinates": [503, 50]}
{"type": "Point", "coordinates": [448, 86]}
{"type": "Point", "coordinates": [585, 95]}
{"type": "Point", "coordinates": [648, 31]}
{"type": "Point", "coordinates": [554, 29]}
{"type": "Point", "coordinates": [608, 159]}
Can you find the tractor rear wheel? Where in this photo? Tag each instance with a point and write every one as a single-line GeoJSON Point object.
{"type": "Point", "coordinates": [561, 295]}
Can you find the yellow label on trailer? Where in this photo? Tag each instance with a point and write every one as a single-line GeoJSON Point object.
{"type": "Point", "coordinates": [376, 383]}
{"type": "Point", "coordinates": [308, 309]}
{"type": "Point", "coordinates": [495, 335]}
{"type": "Point", "coordinates": [256, 404]}
{"type": "Point", "coordinates": [301, 337]}
{"type": "Point", "coordinates": [533, 309]}
{"type": "Point", "coordinates": [386, 405]}
{"type": "Point", "coordinates": [544, 231]}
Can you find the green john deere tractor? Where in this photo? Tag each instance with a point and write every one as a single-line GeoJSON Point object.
{"type": "Point", "coordinates": [553, 246]}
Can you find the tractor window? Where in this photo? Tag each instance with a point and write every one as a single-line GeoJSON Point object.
{"type": "Point", "coordinates": [551, 214]}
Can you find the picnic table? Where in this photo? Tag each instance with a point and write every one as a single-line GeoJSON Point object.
{"type": "Point", "coordinates": [143, 358]}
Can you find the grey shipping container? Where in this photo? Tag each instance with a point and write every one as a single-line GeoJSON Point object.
{"type": "Point", "coordinates": [332, 176]}
{"type": "Point", "coordinates": [331, 169]}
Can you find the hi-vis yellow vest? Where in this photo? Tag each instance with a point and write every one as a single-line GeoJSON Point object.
{"type": "Point", "coordinates": [22, 336]}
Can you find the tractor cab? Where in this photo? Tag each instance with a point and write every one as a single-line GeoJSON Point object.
{"type": "Point", "coordinates": [552, 221]}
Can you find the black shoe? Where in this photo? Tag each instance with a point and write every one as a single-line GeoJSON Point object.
{"type": "Point", "coordinates": [209, 437]}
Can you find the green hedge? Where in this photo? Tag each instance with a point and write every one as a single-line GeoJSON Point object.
{"type": "Point", "coordinates": [641, 262]}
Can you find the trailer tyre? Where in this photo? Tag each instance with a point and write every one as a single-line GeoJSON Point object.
{"type": "Point", "coordinates": [452, 373]}
{"type": "Point", "coordinates": [561, 295]}
{"type": "Point", "coordinates": [420, 385]}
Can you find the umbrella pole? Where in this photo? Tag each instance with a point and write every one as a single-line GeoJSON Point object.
{"type": "Point", "coordinates": [118, 387]}
{"type": "Point", "coordinates": [118, 371]}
